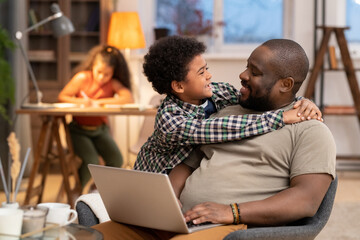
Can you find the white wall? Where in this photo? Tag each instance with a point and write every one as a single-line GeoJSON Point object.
{"type": "Point", "coordinates": [227, 67]}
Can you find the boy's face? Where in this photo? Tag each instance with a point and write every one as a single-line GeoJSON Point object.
{"type": "Point", "coordinates": [196, 85]}
{"type": "Point", "coordinates": [259, 81]}
{"type": "Point", "coordinates": [102, 73]}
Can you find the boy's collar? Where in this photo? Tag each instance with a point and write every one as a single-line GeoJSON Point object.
{"type": "Point", "coordinates": [205, 103]}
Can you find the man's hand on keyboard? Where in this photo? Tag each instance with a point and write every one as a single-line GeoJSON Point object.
{"type": "Point", "coordinates": [210, 212]}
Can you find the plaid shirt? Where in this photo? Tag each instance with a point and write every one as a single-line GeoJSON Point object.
{"type": "Point", "coordinates": [180, 126]}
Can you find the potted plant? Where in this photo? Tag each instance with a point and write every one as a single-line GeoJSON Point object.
{"type": "Point", "coordinates": [7, 86]}
{"type": "Point", "coordinates": [7, 89]}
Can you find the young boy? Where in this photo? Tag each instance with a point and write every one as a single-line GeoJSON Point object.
{"type": "Point", "coordinates": [175, 67]}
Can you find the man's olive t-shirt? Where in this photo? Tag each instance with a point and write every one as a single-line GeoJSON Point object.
{"type": "Point", "coordinates": [258, 167]}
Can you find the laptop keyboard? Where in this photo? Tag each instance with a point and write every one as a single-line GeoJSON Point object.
{"type": "Point", "coordinates": [191, 224]}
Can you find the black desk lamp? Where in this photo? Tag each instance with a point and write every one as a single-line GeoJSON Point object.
{"type": "Point", "coordinates": [60, 25]}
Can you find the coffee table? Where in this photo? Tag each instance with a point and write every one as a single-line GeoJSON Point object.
{"type": "Point", "coordinates": [71, 232]}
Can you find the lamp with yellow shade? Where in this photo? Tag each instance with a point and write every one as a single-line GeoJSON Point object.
{"type": "Point", "coordinates": [125, 32]}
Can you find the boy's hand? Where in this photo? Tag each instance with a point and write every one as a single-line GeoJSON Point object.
{"type": "Point", "coordinates": [304, 109]}
{"type": "Point", "coordinates": [308, 110]}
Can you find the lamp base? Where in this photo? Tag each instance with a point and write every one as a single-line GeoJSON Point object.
{"type": "Point", "coordinates": [37, 105]}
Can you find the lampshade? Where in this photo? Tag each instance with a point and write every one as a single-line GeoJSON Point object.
{"type": "Point", "coordinates": [125, 31]}
{"type": "Point", "coordinates": [62, 25]}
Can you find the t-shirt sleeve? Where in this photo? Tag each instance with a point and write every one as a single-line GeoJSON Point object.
{"type": "Point", "coordinates": [194, 158]}
{"type": "Point", "coordinates": [314, 151]}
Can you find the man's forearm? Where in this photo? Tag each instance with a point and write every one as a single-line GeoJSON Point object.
{"type": "Point", "coordinates": [302, 199]}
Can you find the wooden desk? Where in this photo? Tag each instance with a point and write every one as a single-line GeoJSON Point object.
{"type": "Point", "coordinates": [51, 121]}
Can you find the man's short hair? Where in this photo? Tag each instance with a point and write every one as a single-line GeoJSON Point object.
{"type": "Point", "coordinates": [290, 60]}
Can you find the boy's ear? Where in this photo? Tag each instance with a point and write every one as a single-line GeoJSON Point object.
{"type": "Point", "coordinates": [287, 84]}
{"type": "Point", "coordinates": [177, 87]}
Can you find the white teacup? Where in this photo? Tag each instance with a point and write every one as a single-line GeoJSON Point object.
{"type": "Point", "coordinates": [10, 221]}
{"type": "Point", "coordinates": [59, 213]}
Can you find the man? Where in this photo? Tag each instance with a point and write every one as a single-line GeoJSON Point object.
{"type": "Point", "coordinates": [270, 179]}
{"type": "Point", "coordinates": [276, 178]}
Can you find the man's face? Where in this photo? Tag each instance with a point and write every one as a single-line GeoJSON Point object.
{"type": "Point", "coordinates": [258, 81]}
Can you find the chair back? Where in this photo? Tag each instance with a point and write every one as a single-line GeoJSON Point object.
{"type": "Point", "coordinates": [323, 214]}
{"type": "Point", "coordinates": [303, 229]}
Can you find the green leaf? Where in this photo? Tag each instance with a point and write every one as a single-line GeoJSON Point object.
{"type": "Point", "coordinates": [7, 84]}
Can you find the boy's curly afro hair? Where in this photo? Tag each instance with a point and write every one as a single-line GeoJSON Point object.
{"type": "Point", "coordinates": [168, 60]}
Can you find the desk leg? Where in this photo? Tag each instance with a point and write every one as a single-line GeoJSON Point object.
{"type": "Point", "coordinates": [46, 164]}
{"type": "Point", "coordinates": [50, 128]}
{"type": "Point", "coordinates": [30, 192]}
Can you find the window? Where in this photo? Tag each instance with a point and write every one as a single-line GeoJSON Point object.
{"type": "Point", "coordinates": [233, 22]}
{"type": "Point", "coordinates": [249, 21]}
{"type": "Point", "coordinates": [352, 20]}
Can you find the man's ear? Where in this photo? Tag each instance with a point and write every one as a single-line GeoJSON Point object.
{"type": "Point", "coordinates": [287, 84]}
{"type": "Point", "coordinates": [177, 87]}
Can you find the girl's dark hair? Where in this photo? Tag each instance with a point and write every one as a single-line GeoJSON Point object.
{"type": "Point", "coordinates": [112, 57]}
{"type": "Point", "coordinates": [168, 59]}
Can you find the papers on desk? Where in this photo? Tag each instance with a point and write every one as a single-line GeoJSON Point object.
{"type": "Point", "coordinates": [50, 105]}
{"type": "Point", "coordinates": [37, 105]}
{"type": "Point", "coordinates": [130, 106]}
{"type": "Point", "coordinates": [66, 105]}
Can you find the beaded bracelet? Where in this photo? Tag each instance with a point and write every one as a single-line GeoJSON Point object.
{"type": "Point", "coordinates": [237, 205]}
{"type": "Point", "coordinates": [233, 212]}
{"type": "Point", "coordinates": [236, 212]}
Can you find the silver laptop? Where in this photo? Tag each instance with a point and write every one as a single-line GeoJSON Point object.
{"type": "Point", "coordinates": [141, 198]}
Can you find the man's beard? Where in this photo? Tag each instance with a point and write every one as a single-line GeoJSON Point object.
{"type": "Point", "coordinates": [258, 103]}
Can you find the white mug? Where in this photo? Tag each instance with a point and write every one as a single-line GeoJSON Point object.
{"type": "Point", "coordinates": [10, 222]}
{"type": "Point", "coordinates": [59, 213]}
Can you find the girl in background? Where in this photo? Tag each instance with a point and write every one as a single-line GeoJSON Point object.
{"type": "Point", "coordinates": [103, 78]}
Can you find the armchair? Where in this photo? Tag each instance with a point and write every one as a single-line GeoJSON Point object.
{"type": "Point", "coordinates": [303, 229]}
